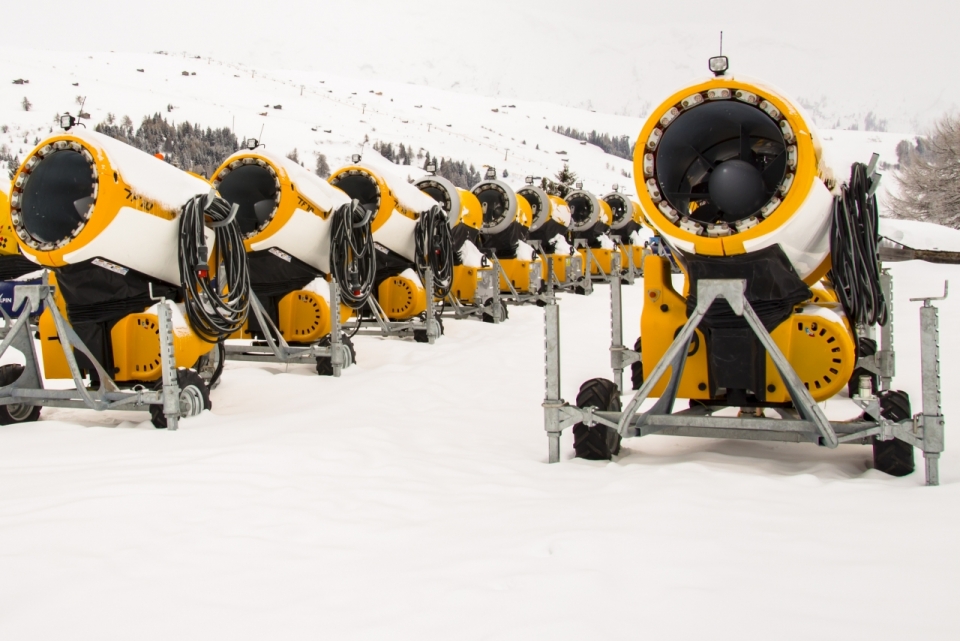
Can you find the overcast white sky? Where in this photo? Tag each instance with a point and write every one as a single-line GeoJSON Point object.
{"type": "Point", "coordinates": [893, 57]}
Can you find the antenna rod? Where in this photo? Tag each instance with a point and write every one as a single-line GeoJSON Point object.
{"type": "Point", "coordinates": [260, 137]}
{"type": "Point", "coordinates": [721, 43]}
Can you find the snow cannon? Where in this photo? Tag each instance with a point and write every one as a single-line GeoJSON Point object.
{"type": "Point", "coordinates": [730, 173]}
{"type": "Point", "coordinates": [506, 227]}
{"type": "Point", "coordinates": [472, 274]}
{"type": "Point", "coordinates": [626, 228]}
{"type": "Point", "coordinates": [299, 232]}
{"type": "Point", "coordinates": [550, 226]}
{"type": "Point", "coordinates": [590, 219]}
{"type": "Point", "coordinates": [411, 235]}
{"type": "Point", "coordinates": [120, 230]}
{"type": "Point", "coordinates": [14, 267]}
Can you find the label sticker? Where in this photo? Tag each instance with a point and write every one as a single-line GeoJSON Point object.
{"type": "Point", "coordinates": [282, 255]}
{"type": "Point", "coordinates": [381, 248]}
{"type": "Point", "coordinates": [116, 269]}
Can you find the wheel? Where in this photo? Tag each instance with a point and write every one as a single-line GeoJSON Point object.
{"type": "Point", "coordinates": [194, 397]}
{"type": "Point", "coordinates": [210, 365]}
{"type": "Point", "coordinates": [579, 290]}
{"type": "Point", "coordinates": [894, 457]}
{"type": "Point", "coordinates": [599, 442]}
{"type": "Point", "coordinates": [19, 413]}
{"type": "Point", "coordinates": [636, 368]}
{"type": "Point", "coordinates": [504, 313]}
{"type": "Point", "coordinates": [325, 364]}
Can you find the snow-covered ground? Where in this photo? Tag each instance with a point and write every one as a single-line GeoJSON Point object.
{"type": "Point", "coordinates": [411, 498]}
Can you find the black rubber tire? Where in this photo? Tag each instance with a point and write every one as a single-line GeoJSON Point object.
{"type": "Point", "coordinates": [325, 365]}
{"type": "Point", "coordinates": [504, 314]}
{"type": "Point", "coordinates": [636, 368]}
{"type": "Point", "coordinates": [894, 457]}
{"type": "Point", "coordinates": [185, 378]}
{"type": "Point", "coordinates": [599, 442]}
{"type": "Point", "coordinates": [12, 414]}
{"type": "Point", "coordinates": [580, 291]}
{"type": "Point", "coordinates": [221, 353]}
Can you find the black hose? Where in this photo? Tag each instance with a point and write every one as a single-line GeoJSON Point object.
{"type": "Point", "coordinates": [434, 249]}
{"type": "Point", "coordinates": [216, 300]}
{"type": "Point", "coordinates": [854, 242]}
{"type": "Point", "coordinates": [353, 261]}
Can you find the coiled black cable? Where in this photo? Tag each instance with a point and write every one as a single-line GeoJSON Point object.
{"type": "Point", "coordinates": [434, 249]}
{"type": "Point", "coordinates": [854, 242]}
{"type": "Point", "coordinates": [353, 261]}
{"type": "Point", "coordinates": [216, 301]}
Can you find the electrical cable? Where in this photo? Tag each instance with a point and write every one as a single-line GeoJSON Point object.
{"type": "Point", "coordinates": [353, 261]}
{"type": "Point", "coordinates": [434, 249]}
{"type": "Point", "coordinates": [216, 301]}
{"type": "Point", "coordinates": [854, 242]}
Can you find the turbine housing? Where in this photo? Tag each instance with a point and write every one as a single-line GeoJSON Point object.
{"type": "Point", "coordinates": [81, 195]}
{"type": "Point", "coordinates": [728, 167]}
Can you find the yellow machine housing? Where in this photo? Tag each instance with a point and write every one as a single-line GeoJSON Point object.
{"type": "Point", "coordinates": [796, 216]}
{"type": "Point", "coordinates": [8, 237]}
{"type": "Point", "coordinates": [82, 196]}
{"type": "Point", "coordinates": [465, 215]}
{"type": "Point", "coordinates": [286, 210]}
{"type": "Point", "coordinates": [402, 296]}
{"type": "Point", "coordinates": [816, 340]}
{"type": "Point", "coordinates": [397, 206]}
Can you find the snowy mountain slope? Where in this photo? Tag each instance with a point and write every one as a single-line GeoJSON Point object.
{"type": "Point", "coordinates": [619, 56]}
{"type": "Point", "coordinates": [335, 114]}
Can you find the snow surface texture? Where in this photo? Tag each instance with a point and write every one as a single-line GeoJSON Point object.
{"type": "Point", "coordinates": [411, 499]}
{"type": "Point", "coordinates": [149, 177]}
{"type": "Point", "coordinates": [561, 246]}
{"type": "Point", "coordinates": [524, 251]}
{"type": "Point", "coordinates": [470, 255]}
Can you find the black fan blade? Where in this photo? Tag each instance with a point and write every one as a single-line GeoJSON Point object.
{"type": "Point", "coordinates": [689, 195]}
{"type": "Point", "coordinates": [263, 209]}
{"type": "Point", "coordinates": [746, 149]}
{"type": "Point", "coordinates": [774, 167]}
{"type": "Point", "coordinates": [705, 213]}
{"type": "Point", "coordinates": [703, 158]}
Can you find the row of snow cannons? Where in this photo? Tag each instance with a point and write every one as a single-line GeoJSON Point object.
{"type": "Point", "coordinates": [140, 280]}
{"type": "Point", "coordinates": [783, 299]}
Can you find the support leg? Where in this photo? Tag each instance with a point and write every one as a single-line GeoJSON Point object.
{"type": "Point", "coordinates": [168, 366]}
{"type": "Point", "coordinates": [552, 401]}
{"type": "Point", "coordinates": [336, 345]}
{"type": "Point", "coordinates": [616, 326]}
{"type": "Point", "coordinates": [932, 419]}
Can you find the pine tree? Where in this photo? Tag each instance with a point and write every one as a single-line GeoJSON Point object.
{"type": "Point", "coordinates": [294, 156]}
{"type": "Point", "coordinates": [564, 180]}
{"type": "Point", "coordinates": [323, 169]}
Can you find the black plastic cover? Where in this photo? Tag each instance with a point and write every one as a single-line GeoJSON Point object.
{"type": "Point", "coordinates": [736, 359]}
{"type": "Point", "coordinates": [505, 244]}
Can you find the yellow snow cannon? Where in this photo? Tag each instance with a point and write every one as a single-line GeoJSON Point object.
{"type": "Point", "coordinates": [411, 236]}
{"type": "Point", "coordinates": [626, 229]}
{"type": "Point", "coordinates": [301, 235]}
{"type": "Point", "coordinates": [122, 230]}
{"type": "Point", "coordinates": [730, 174]}
{"type": "Point", "coordinates": [590, 220]}
{"type": "Point", "coordinates": [550, 227]}
{"type": "Point", "coordinates": [472, 273]}
{"type": "Point", "coordinates": [506, 226]}
{"type": "Point", "coordinates": [13, 265]}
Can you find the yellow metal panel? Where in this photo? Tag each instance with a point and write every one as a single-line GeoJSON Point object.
{"type": "Point", "coordinates": [401, 298]}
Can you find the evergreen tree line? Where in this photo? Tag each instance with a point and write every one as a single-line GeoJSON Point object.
{"type": "Point", "coordinates": [458, 172]}
{"type": "Point", "coordinates": [619, 146]}
{"type": "Point", "coordinates": [9, 161]}
{"type": "Point", "coordinates": [401, 154]}
{"type": "Point", "coordinates": [187, 146]}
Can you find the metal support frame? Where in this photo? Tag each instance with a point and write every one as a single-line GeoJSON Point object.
{"type": "Point", "coordinates": [455, 309]}
{"type": "Point", "coordinates": [514, 297]}
{"type": "Point", "coordinates": [805, 423]}
{"type": "Point", "coordinates": [29, 388]}
{"type": "Point", "coordinates": [621, 357]}
{"type": "Point", "coordinates": [381, 325]}
{"type": "Point", "coordinates": [277, 350]}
